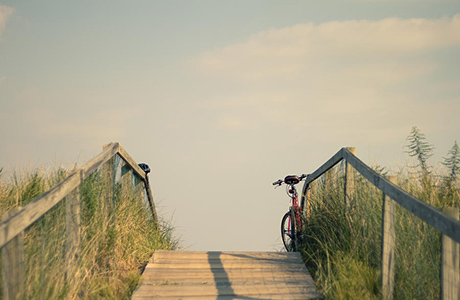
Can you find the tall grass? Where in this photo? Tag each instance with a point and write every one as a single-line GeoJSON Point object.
{"type": "Point", "coordinates": [118, 236]}
{"type": "Point", "coordinates": [342, 243]}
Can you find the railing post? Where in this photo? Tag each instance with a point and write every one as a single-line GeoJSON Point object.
{"type": "Point", "coordinates": [308, 200]}
{"type": "Point", "coordinates": [449, 262]}
{"type": "Point", "coordinates": [327, 182]}
{"type": "Point", "coordinates": [73, 233]}
{"type": "Point", "coordinates": [13, 263]}
{"type": "Point", "coordinates": [388, 245]}
{"type": "Point", "coordinates": [126, 180]}
{"type": "Point", "coordinates": [117, 177]}
{"type": "Point", "coordinates": [349, 182]}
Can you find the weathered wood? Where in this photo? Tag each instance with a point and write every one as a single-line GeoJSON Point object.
{"type": "Point", "coordinates": [126, 189]}
{"type": "Point", "coordinates": [13, 263]}
{"type": "Point", "coordinates": [129, 160]}
{"type": "Point", "coordinates": [388, 245]}
{"type": "Point", "coordinates": [450, 262]}
{"type": "Point", "coordinates": [326, 166]}
{"type": "Point", "coordinates": [349, 182]}
{"type": "Point", "coordinates": [328, 181]}
{"type": "Point", "coordinates": [232, 297]}
{"type": "Point", "coordinates": [73, 233]}
{"type": "Point", "coordinates": [222, 275]}
{"type": "Point", "coordinates": [224, 255]}
{"type": "Point", "coordinates": [150, 199]}
{"type": "Point", "coordinates": [99, 160]}
{"type": "Point", "coordinates": [29, 214]}
{"type": "Point", "coordinates": [139, 172]}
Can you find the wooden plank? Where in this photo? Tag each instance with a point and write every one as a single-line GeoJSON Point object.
{"type": "Point", "coordinates": [225, 265]}
{"type": "Point", "coordinates": [222, 275]}
{"type": "Point", "coordinates": [185, 281]}
{"type": "Point", "coordinates": [187, 255]}
{"type": "Point", "coordinates": [450, 262]}
{"type": "Point", "coordinates": [131, 162]}
{"type": "Point", "coordinates": [325, 167]}
{"type": "Point", "coordinates": [388, 245]}
{"type": "Point", "coordinates": [150, 199]}
{"type": "Point", "coordinates": [212, 290]}
{"type": "Point", "coordinates": [38, 207]}
{"type": "Point", "coordinates": [13, 263]}
{"type": "Point", "coordinates": [235, 297]}
{"type": "Point", "coordinates": [96, 162]}
{"type": "Point", "coordinates": [349, 182]}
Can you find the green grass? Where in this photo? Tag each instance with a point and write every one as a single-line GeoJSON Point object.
{"type": "Point", "coordinates": [118, 236]}
{"type": "Point", "coordinates": [342, 244]}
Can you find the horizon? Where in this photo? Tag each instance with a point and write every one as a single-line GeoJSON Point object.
{"type": "Point", "coordinates": [222, 99]}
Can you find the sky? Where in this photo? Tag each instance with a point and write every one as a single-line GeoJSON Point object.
{"type": "Point", "coordinates": [222, 98]}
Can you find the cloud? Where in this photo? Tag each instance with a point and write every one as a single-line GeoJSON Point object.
{"type": "Point", "coordinates": [292, 50]}
{"type": "Point", "coordinates": [5, 12]}
{"type": "Point", "coordinates": [348, 79]}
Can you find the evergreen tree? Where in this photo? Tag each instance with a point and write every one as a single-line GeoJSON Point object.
{"type": "Point", "coordinates": [419, 147]}
{"type": "Point", "coordinates": [450, 189]}
{"type": "Point", "coordinates": [452, 161]}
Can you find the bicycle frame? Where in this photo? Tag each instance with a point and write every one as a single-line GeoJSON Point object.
{"type": "Point", "coordinates": [295, 205]}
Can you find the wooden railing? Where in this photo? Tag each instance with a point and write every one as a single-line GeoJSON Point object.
{"type": "Point", "coordinates": [15, 221]}
{"type": "Point", "coordinates": [449, 226]}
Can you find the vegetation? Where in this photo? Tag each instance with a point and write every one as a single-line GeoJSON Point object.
{"type": "Point", "coordinates": [342, 244]}
{"type": "Point", "coordinates": [118, 236]}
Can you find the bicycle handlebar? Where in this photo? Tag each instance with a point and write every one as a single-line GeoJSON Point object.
{"type": "Point", "coordinates": [278, 182]}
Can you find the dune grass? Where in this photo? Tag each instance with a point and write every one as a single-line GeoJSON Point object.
{"type": "Point", "coordinates": [118, 236]}
{"type": "Point", "coordinates": [342, 243]}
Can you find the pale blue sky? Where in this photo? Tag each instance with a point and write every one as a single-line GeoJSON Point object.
{"type": "Point", "coordinates": [221, 98]}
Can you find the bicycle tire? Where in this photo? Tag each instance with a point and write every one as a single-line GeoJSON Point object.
{"type": "Point", "coordinates": [288, 232]}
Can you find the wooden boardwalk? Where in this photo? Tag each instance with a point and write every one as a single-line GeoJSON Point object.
{"type": "Point", "coordinates": [226, 275]}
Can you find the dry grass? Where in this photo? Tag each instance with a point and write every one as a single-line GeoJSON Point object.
{"type": "Point", "coordinates": [118, 236]}
{"type": "Point", "coordinates": [342, 245]}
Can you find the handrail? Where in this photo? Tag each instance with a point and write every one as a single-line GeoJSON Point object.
{"type": "Point", "coordinates": [430, 215]}
{"type": "Point", "coordinates": [25, 217]}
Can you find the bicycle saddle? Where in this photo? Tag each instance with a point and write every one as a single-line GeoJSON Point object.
{"type": "Point", "coordinates": [291, 179]}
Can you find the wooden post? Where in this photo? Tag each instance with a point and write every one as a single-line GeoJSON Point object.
{"type": "Point", "coordinates": [117, 183]}
{"type": "Point", "coordinates": [13, 263]}
{"type": "Point", "coordinates": [308, 199]}
{"type": "Point", "coordinates": [327, 182]}
{"type": "Point", "coordinates": [109, 175]}
{"type": "Point", "coordinates": [349, 182]}
{"type": "Point", "coordinates": [73, 233]}
{"type": "Point", "coordinates": [388, 245]}
{"type": "Point", "coordinates": [126, 189]}
{"type": "Point", "coordinates": [449, 262]}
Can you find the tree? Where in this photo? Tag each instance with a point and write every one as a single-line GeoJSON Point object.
{"type": "Point", "coordinates": [419, 147]}
{"type": "Point", "coordinates": [452, 162]}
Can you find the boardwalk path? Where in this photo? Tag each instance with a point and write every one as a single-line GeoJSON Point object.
{"type": "Point", "coordinates": [226, 275]}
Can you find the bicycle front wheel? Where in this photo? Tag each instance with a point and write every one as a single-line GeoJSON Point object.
{"type": "Point", "coordinates": [288, 232]}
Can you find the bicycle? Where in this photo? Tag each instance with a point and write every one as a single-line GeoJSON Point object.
{"type": "Point", "coordinates": [291, 224]}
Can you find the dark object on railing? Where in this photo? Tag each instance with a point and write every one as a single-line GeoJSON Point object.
{"type": "Point", "coordinates": [145, 168]}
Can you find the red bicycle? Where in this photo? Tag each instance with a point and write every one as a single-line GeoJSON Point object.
{"type": "Point", "coordinates": [291, 224]}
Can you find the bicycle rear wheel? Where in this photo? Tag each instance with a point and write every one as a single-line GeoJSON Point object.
{"type": "Point", "coordinates": [288, 232]}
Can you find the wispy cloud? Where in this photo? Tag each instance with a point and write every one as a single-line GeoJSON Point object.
{"type": "Point", "coordinates": [364, 72]}
{"type": "Point", "coordinates": [290, 51]}
{"type": "Point", "coordinates": [5, 12]}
